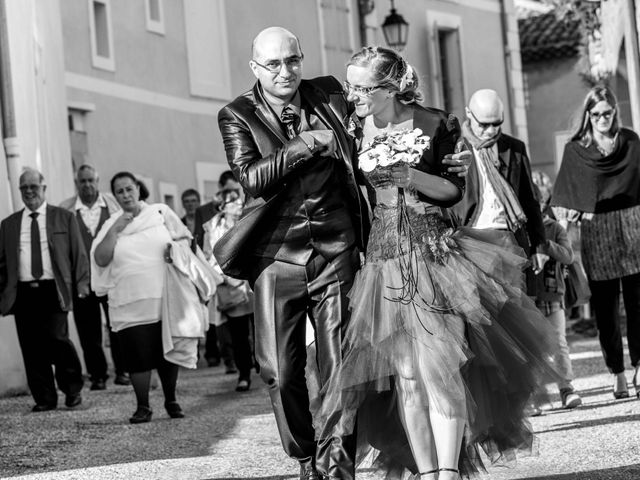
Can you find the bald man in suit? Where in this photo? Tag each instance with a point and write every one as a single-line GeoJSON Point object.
{"type": "Point", "coordinates": [42, 264]}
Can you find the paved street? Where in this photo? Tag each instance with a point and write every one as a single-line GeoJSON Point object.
{"type": "Point", "coordinates": [229, 435]}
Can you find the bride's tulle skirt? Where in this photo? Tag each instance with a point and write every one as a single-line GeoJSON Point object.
{"type": "Point", "coordinates": [473, 345]}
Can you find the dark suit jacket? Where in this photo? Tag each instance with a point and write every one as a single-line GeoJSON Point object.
{"type": "Point", "coordinates": [262, 159]}
{"type": "Point", "coordinates": [515, 168]}
{"type": "Point", "coordinates": [204, 213]}
{"type": "Point", "coordinates": [444, 132]}
{"type": "Point", "coordinates": [68, 257]}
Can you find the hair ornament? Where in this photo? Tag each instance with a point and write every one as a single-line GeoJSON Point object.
{"type": "Point", "coordinates": [407, 78]}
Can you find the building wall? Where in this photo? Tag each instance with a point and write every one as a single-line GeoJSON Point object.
{"type": "Point", "coordinates": [36, 57]}
{"type": "Point", "coordinates": [555, 95]}
{"type": "Point", "coordinates": [481, 44]}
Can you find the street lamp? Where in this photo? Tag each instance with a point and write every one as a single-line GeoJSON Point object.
{"type": "Point", "coordinates": [395, 29]}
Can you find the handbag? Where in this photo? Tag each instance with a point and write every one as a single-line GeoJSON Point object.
{"type": "Point", "coordinates": [230, 296]}
{"type": "Point", "coordinates": [577, 290]}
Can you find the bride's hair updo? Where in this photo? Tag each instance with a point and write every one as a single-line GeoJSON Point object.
{"type": "Point", "coordinates": [389, 70]}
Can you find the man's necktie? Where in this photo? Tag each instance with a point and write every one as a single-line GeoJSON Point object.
{"type": "Point", "coordinates": [291, 121]}
{"type": "Point", "coordinates": [36, 252]}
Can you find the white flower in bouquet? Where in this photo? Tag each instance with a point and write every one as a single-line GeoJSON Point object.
{"type": "Point", "coordinates": [389, 148]}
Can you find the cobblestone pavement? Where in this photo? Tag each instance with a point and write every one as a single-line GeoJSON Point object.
{"type": "Point", "coordinates": [229, 435]}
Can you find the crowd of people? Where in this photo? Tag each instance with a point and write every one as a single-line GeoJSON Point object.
{"type": "Point", "coordinates": [433, 265]}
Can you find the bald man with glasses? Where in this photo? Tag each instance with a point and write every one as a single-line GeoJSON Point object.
{"type": "Point", "coordinates": [43, 263]}
{"type": "Point", "coordinates": [499, 193]}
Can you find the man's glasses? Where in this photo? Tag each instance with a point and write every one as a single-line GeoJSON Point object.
{"type": "Point", "coordinates": [486, 125]}
{"type": "Point", "coordinates": [607, 114]}
{"type": "Point", "coordinates": [275, 66]}
{"type": "Point", "coordinates": [26, 188]}
{"type": "Point", "coordinates": [360, 91]}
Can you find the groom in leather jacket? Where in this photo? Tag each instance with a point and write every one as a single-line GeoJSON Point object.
{"type": "Point", "coordinates": [300, 236]}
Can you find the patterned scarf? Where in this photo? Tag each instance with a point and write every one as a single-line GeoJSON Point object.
{"type": "Point", "coordinates": [490, 161]}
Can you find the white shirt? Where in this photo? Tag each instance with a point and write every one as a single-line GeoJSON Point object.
{"type": "Point", "coordinates": [91, 215]}
{"type": "Point", "coordinates": [24, 251]}
{"type": "Point", "coordinates": [492, 214]}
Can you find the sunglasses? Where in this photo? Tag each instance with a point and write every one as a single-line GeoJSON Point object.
{"type": "Point", "coordinates": [607, 114]}
{"type": "Point", "coordinates": [485, 125]}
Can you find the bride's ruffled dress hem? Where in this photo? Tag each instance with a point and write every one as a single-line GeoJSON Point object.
{"type": "Point", "coordinates": [473, 342]}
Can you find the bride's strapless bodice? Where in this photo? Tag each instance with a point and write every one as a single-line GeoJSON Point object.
{"type": "Point", "coordinates": [427, 229]}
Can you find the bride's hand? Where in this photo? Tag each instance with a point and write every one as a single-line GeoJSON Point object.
{"type": "Point", "coordinates": [401, 175]}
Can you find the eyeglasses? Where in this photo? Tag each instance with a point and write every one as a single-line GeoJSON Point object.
{"type": "Point", "coordinates": [486, 125]}
{"type": "Point", "coordinates": [274, 66]}
{"type": "Point", "coordinates": [25, 188]}
{"type": "Point", "coordinates": [607, 114]}
{"type": "Point", "coordinates": [228, 196]}
{"type": "Point", "coordinates": [360, 91]}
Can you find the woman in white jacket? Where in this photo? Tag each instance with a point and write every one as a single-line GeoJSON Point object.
{"type": "Point", "coordinates": [128, 265]}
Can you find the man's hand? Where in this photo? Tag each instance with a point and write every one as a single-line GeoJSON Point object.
{"type": "Point", "coordinates": [83, 292]}
{"type": "Point", "coordinates": [325, 141]}
{"type": "Point", "coordinates": [459, 162]}
{"type": "Point", "coordinates": [538, 260]}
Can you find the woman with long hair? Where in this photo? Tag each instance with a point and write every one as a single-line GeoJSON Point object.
{"type": "Point", "coordinates": [443, 351]}
{"type": "Point", "coordinates": [598, 186]}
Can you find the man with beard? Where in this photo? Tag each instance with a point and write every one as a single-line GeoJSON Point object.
{"type": "Point", "coordinates": [92, 209]}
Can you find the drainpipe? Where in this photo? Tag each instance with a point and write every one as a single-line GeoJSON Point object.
{"type": "Point", "coordinates": [632, 54]}
{"type": "Point", "coordinates": [9, 136]}
{"type": "Point", "coordinates": [508, 64]}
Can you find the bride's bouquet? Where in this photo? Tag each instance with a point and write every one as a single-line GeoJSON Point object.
{"type": "Point", "coordinates": [394, 147]}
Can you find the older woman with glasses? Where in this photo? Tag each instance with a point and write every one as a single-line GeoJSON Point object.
{"type": "Point", "coordinates": [598, 186]}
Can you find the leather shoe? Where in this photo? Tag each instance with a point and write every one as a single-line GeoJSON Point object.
{"type": "Point", "coordinates": [122, 379]}
{"type": "Point", "coordinates": [243, 385]}
{"type": "Point", "coordinates": [309, 474]}
{"type": "Point", "coordinates": [141, 415]}
{"type": "Point", "coordinates": [43, 408]}
{"type": "Point", "coordinates": [174, 410]}
{"type": "Point", "coordinates": [73, 400]}
{"type": "Point", "coordinates": [99, 384]}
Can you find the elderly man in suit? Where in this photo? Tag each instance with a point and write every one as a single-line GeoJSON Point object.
{"type": "Point", "coordinates": [42, 264]}
{"type": "Point", "coordinates": [499, 193]}
{"type": "Point", "coordinates": [92, 208]}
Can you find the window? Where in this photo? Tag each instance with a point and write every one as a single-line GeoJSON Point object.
{"type": "Point", "coordinates": [168, 194]}
{"type": "Point", "coordinates": [207, 48]}
{"type": "Point", "coordinates": [336, 34]}
{"type": "Point", "coordinates": [451, 71]}
{"type": "Point", "coordinates": [155, 16]}
{"type": "Point", "coordinates": [101, 34]}
{"type": "Point", "coordinates": [447, 75]}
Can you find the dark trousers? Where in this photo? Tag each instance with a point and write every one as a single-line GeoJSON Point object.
{"type": "Point", "coordinates": [86, 312]}
{"type": "Point", "coordinates": [284, 295]}
{"type": "Point", "coordinates": [43, 333]}
{"type": "Point", "coordinates": [239, 331]}
{"type": "Point", "coordinates": [605, 295]}
{"type": "Point", "coordinates": [218, 345]}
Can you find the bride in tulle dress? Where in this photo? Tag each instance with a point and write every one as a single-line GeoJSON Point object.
{"type": "Point", "coordinates": [443, 351]}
